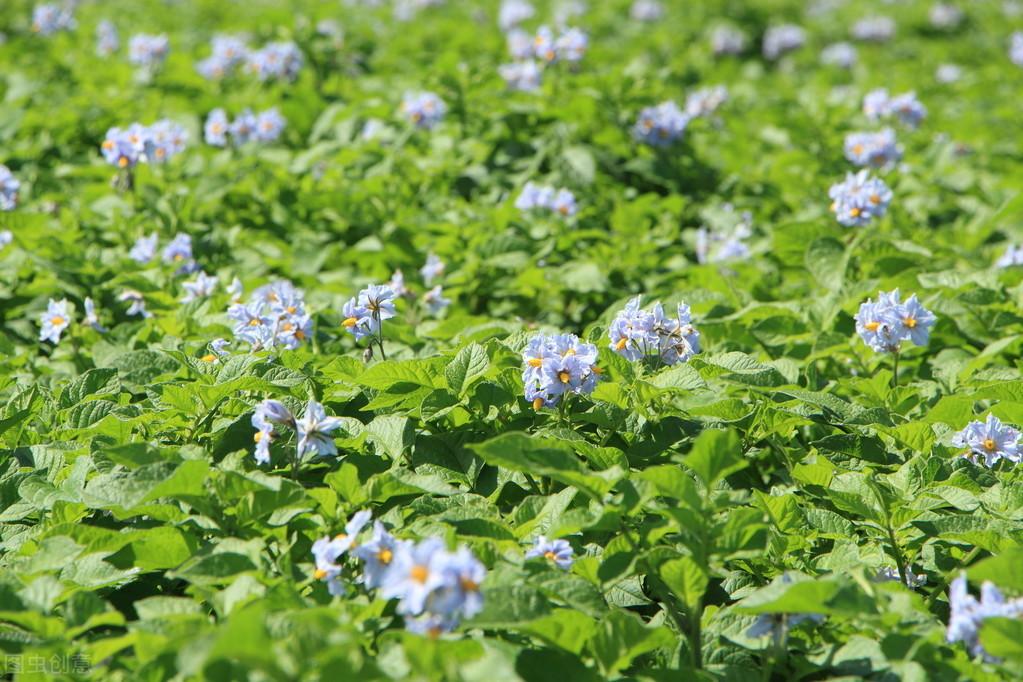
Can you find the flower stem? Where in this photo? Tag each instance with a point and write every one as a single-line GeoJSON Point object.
{"type": "Point", "coordinates": [895, 370]}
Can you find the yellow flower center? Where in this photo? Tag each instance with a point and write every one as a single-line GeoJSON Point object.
{"type": "Point", "coordinates": [291, 309]}
{"type": "Point", "coordinates": [258, 436]}
{"type": "Point", "coordinates": [537, 403]}
{"type": "Point", "coordinates": [209, 357]}
{"type": "Point", "coordinates": [909, 322]}
{"type": "Point", "coordinates": [855, 212]}
{"type": "Point", "coordinates": [300, 335]}
{"type": "Point", "coordinates": [989, 444]}
{"type": "Point", "coordinates": [622, 343]}
{"type": "Point", "coordinates": [535, 362]}
{"type": "Point", "coordinates": [875, 199]}
{"type": "Point", "coordinates": [857, 149]}
{"type": "Point", "coordinates": [123, 162]}
{"type": "Point", "coordinates": [419, 574]}
{"type": "Point", "coordinates": [57, 320]}
{"type": "Point", "coordinates": [254, 323]}
{"type": "Point", "coordinates": [384, 556]}
{"type": "Point", "coordinates": [872, 326]}
{"type": "Point", "coordinates": [469, 585]}
{"type": "Point", "coordinates": [350, 322]}
{"type": "Point", "coordinates": [564, 376]}
{"type": "Point", "coordinates": [319, 574]}
{"type": "Point", "coordinates": [549, 555]}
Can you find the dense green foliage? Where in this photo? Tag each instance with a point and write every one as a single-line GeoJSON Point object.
{"type": "Point", "coordinates": [139, 534]}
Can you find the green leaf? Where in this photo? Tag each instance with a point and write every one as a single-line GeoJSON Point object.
{"type": "Point", "coordinates": [470, 364]}
{"type": "Point", "coordinates": [715, 455]}
{"type": "Point", "coordinates": [686, 579]}
{"type": "Point", "coordinates": [621, 638]}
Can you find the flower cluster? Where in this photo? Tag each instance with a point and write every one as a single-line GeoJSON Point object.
{"type": "Point", "coordinates": [569, 46]}
{"type": "Point", "coordinates": [636, 334]}
{"type": "Point", "coordinates": [433, 299]}
{"type": "Point", "coordinates": [967, 613]}
{"type": "Point", "coordinates": [49, 19]}
{"type": "Point", "coordinates": [885, 324]}
{"type": "Point", "coordinates": [423, 109]}
{"type": "Point", "coordinates": [990, 439]}
{"type": "Point", "coordinates": [559, 552]}
{"type": "Point", "coordinates": [859, 199]}
{"type": "Point", "coordinates": [365, 313]}
{"type": "Point", "coordinates": [727, 40]}
{"type": "Point", "coordinates": [435, 588]}
{"type": "Point", "coordinates": [842, 55]}
{"type": "Point", "coordinates": [148, 51]}
{"type": "Point", "coordinates": [57, 318]}
{"type": "Point", "coordinates": [553, 366]}
{"type": "Point", "coordinates": [1013, 256]}
{"type": "Point", "coordinates": [276, 61]}
{"type": "Point", "coordinates": [715, 246]}
{"type": "Point", "coordinates": [647, 10]}
{"type": "Point", "coordinates": [124, 148]}
{"type": "Point", "coordinates": [874, 29]}
{"type": "Point", "coordinates": [781, 39]}
{"type": "Point", "coordinates": [906, 107]}
{"type": "Point", "coordinates": [178, 252]}
{"type": "Point", "coordinates": [265, 126]}
{"type": "Point", "coordinates": [313, 430]}
{"type": "Point", "coordinates": [705, 101]}
{"type": "Point", "coordinates": [525, 76]}
{"type": "Point", "coordinates": [661, 125]}
{"type": "Point", "coordinates": [1016, 48]}
{"type": "Point", "coordinates": [136, 303]}
{"type": "Point", "coordinates": [514, 12]}
{"type": "Point", "coordinates": [202, 286]}
{"type": "Point", "coordinates": [877, 150]}
{"type": "Point", "coordinates": [274, 316]}
{"type": "Point", "coordinates": [107, 39]}
{"type": "Point", "coordinates": [229, 52]}
{"type": "Point", "coordinates": [948, 73]}
{"type": "Point", "coordinates": [943, 15]}
{"type": "Point", "coordinates": [546, 197]}
{"type": "Point", "coordinates": [9, 186]}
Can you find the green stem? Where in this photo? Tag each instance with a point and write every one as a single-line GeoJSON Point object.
{"type": "Point", "coordinates": [895, 370]}
{"type": "Point", "coordinates": [940, 587]}
{"type": "Point", "coordinates": [695, 635]}
{"type": "Point", "coordinates": [900, 561]}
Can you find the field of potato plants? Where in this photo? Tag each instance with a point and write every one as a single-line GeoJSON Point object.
{"type": "Point", "coordinates": [501, 340]}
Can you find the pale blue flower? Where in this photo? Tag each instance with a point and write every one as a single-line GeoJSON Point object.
{"type": "Point", "coordinates": [943, 15]}
{"type": "Point", "coordinates": [243, 128]}
{"type": "Point", "coordinates": [908, 109]}
{"type": "Point", "coordinates": [216, 128]}
{"type": "Point", "coordinates": [781, 39]}
{"type": "Point", "coordinates": [559, 552]}
{"type": "Point", "coordinates": [877, 29]}
{"type": "Point", "coordinates": [54, 321]}
{"type": "Point", "coordinates": [269, 125]}
{"type": "Point", "coordinates": [514, 12]}
{"type": "Point", "coordinates": [876, 104]}
{"type": "Point", "coordinates": [276, 61]}
{"type": "Point", "coordinates": [728, 40]}
{"type": "Point", "coordinates": [705, 101]}
{"type": "Point", "coordinates": [378, 554]}
{"type": "Point", "coordinates": [9, 186]}
{"type": "Point", "coordinates": [524, 76]}
{"type": "Point", "coordinates": [520, 44]}
{"type": "Point", "coordinates": [647, 10]}
{"type": "Point", "coordinates": [137, 303]}
{"type": "Point", "coordinates": [435, 301]}
{"type": "Point", "coordinates": [327, 551]}
{"type": "Point", "coordinates": [859, 199]}
{"type": "Point", "coordinates": [554, 366]}
{"type": "Point", "coordinates": [416, 571]}
{"type": "Point", "coordinates": [842, 55]}
{"type": "Point", "coordinates": [967, 613]}
{"type": "Point", "coordinates": [876, 150]}
{"type": "Point", "coordinates": [571, 45]}
{"type": "Point", "coordinates": [91, 319]}
{"type": "Point", "coordinates": [202, 286]}
{"type": "Point", "coordinates": [6, 238]}
{"type": "Point", "coordinates": [179, 252]}
{"type": "Point", "coordinates": [49, 19]}
{"type": "Point", "coordinates": [107, 39]}
{"type": "Point", "coordinates": [148, 51]}
{"type": "Point", "coordinates": [314, 430]}
{"type": "Point", "coordinates": [1016, 48]}
{"type": "Point", "coordinates": [990, 439]}
{"type": "Point", "coordinates": [661, 125]}
{"type": "Point", "coordinates": [884, 325]}
{"type": "Point", "coordinates": [423, 109]}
